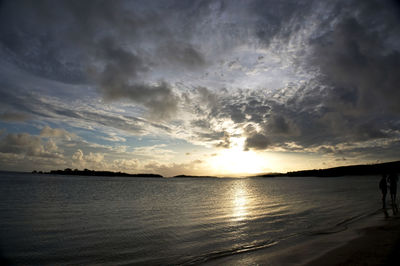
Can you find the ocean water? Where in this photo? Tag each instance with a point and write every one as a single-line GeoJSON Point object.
{"type": "Point", "coordinates": [72, 220]}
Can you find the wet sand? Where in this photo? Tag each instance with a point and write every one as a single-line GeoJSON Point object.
{"type": "Point", "coordinates": [373, 241]}
{"type": "Point", "coordinates": [378, 245]}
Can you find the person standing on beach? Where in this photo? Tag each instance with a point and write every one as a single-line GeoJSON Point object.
{"type": "Point", "coordinates": [383, 188]}
{"type": "Point", "coordinates": [393, 190]}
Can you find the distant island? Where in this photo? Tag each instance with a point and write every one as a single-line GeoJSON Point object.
{"type": "Point", "coordinates": [352, 170]}
{"type": "Point", "coordinates": [87, 172]}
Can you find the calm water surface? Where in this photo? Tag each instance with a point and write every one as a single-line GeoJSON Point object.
{"type": "Point", "coordinates": [71, 220]}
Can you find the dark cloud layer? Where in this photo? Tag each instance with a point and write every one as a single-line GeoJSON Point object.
{"type": "Point", "coordinates": [354, 95]}
{"type": "Point", "coordinates": [349, 49]}
{"type": "Point", "coordinates": [75, 41]}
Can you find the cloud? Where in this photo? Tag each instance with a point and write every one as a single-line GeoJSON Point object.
{"type": "Point", "coordinates": [81, 114]}
{"type": "Point", "coordinates": [129, 124]}
{"type": "Point", "coordinates": [160, 99]}
{"type": "Point", "coordinates": [257, 141]}
{"type": "Point", "coordinates": [281, 76]}
{"type": "Point", "coordinates": [119, 78]}
{"type": "Point", "coordinates": [127, 165]}
{"type": "Point", "coordinates": [159, 152]}
{"type": "Point", "coordinates": [90, 161]}
{"type": "Point", "coordinates": [225, 143]}
{"type": "Point", "coordinates": [191, 168]}
{"type": "Point", "coordinates": [78, 156]}
{"type": "Point", "coordinates": [181, 54]}
{"type": "Point", "coordinates": [140, 50]}
{"type": "Point", "coordinates": [49, 132]}
{"type": "Point", "coordinates": [280, 125]}
{"type": "Point", "coordinates": [115, 69]}
{"type": "Point", "coordinates": [26, 144]}
{"type": "Point", "coordinates": [47, 150]}
{"type": "Point", "coordinates": [201, 123]}
{"type": "Point", "coordinates": [207, 98]}
{"type": "Point", "coordinates": [114, 137]}
{"type": "Point", "coordinates": [14, 117]}
{"type": "Point", "coordinates": [362, 68]}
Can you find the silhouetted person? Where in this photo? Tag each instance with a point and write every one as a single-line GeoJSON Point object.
{"type": "Point", "coordinates": [392, 178]}
{"type": "Point", "coordinates": [383, 188]}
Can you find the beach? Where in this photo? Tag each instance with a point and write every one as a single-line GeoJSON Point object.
{"type": "Point", "coordinates": [376, 245]}
{"type": "Point", "coordinates": [372, 241]}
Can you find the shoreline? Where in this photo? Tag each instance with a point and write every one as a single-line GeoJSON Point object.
{"type": "Point", "coordinates": [370, 241]}
{"type": "Point", "coordinates": [377, 245]}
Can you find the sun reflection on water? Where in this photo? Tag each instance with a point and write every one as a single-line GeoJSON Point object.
{"type": "Point", "coordinates": [240, 201]}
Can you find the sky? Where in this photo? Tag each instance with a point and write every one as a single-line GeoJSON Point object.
{"type": "Point", "coordinates": [225, 88]}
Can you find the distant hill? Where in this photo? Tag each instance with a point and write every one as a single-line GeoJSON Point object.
{"type": "Point", "coordinates": [270, 175]}
{"type": "Point", "coordinates": [352, 170]}
{"type": "Point", "coordinates": [193, 176]}
{"type": "Point", "coordinates": [87, 172]}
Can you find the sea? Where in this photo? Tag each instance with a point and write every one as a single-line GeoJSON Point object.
{"type": "Point", "coordinates": [79, 220]}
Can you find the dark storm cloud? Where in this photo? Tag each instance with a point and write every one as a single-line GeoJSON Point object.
{"type": "Point", "coordinates": [68, 40]}
{"type": "Point", "coordinates": [119, 43]}
{"type": "Point", "coordinates": [118, 80]}
{"type": "Point", "coordinates": [362, 67]}
{"type": "Point", "coordinates": [354, 94]}
{"type": "Point", "coordinates": [302, 119]}
{"type": "Point", "coordinates": [278, 18]}
{"type": "Point", "coordinates": [161, 101]}
{"type": "Point", "coordinates": [354, 97]}
{"type": "Point", "coordinates": [279, 125]}
{"type": "Point", "coordinates": [256, 110]}
{"type": "Point", "coordinates": [181, 54]}
{"type": "Point", "coordinates": [28, 31]}
{"type": "Point", "coordinates": [257, 142]}
{"type": "Point", "coordinates": [236, 112]}
{"type": "Point", "coordinates": [349, 48]}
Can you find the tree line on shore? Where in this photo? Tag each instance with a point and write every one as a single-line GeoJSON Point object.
{"type": "Point", "coordinates": [87, 172]}
{"type": "Point", "coordinates": [352, 170]}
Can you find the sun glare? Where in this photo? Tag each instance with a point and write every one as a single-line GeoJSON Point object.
{"type": "Point", "coordinates": [235, 161]}
{"type": "Point", "coordinates": [240, 203]}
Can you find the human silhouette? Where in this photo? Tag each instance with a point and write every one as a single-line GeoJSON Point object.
{"type": "Point", "coordinates": [392, 178]}
{"type": "Point", "coordinates": [383, 188]}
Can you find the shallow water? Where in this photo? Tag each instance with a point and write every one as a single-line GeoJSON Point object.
{"type": "Point", "coordinates": [60, 220]}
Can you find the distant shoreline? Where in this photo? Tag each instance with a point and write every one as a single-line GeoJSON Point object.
{"type": "Point", "coordinates": [87, 172]}
{"type": "Point", "coordinates": [351, 170]}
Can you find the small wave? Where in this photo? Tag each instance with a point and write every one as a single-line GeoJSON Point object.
{"type": "Point", "coordinates": [342, 225]}
{"type": "Point", "coordinates": [224, 253]}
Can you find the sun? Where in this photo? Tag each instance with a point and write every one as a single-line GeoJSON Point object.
{"type": "Point", "coordinates": [235, 161]}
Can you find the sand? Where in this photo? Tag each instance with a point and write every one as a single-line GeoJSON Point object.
{"type": "Point", "coordinates": [378, 245]}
